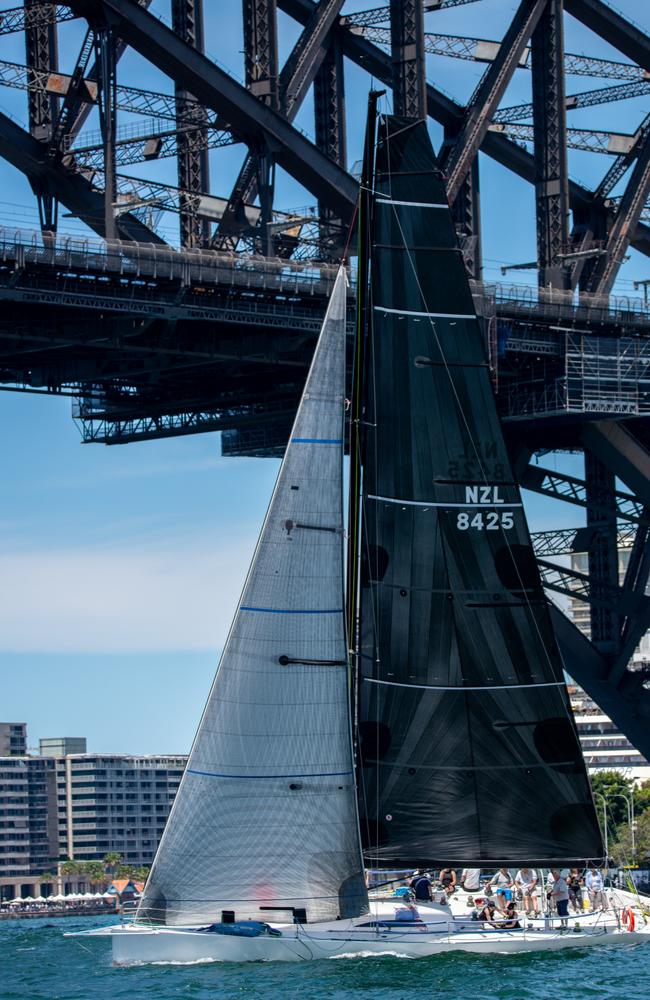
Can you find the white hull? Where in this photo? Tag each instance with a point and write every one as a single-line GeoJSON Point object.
{"type": "Point", "coordinates": [441, 933]}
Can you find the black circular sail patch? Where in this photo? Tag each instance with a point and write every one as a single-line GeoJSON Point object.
{"type": "Point", "coordinates": [555, 742]}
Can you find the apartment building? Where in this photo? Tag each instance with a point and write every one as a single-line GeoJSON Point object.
{"type": "Point", "coordinates": [59, 746]}
{"type": "Point", "coordinates": [114, 803]}
{"type": "Point", "coordinates": [28, 827]}
{"type": "Point", "coordinates": [13, 739]}
{"type": "Point", "coordinates": [61, 805]}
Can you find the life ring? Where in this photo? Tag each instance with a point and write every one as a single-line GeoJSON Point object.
{"type": "Point", "coordinates": [627, 915]}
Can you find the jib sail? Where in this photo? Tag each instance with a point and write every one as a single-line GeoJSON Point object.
{"type": "Point", "coordinates": [265, 817]}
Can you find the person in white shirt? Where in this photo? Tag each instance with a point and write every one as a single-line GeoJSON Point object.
{"type": "Point", "coordinates": [503, 882]}
{"type": "Point", "coordinates": [596, 889]}
{"type": "Point", "coordinates": [470, 879]}
{"type": "Point", "coordinates": [560, 896]}
{"type": "Point", "coordinates": [526, 880]}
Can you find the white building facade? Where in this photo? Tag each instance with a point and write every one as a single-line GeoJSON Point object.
{"type": "Point", "coordinates": [79, 806]}
{"type": "Point", "coordinates": [110, 803]}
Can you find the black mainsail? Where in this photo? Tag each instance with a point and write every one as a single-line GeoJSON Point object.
{"type": "Point", "coordinates": [467, 745]}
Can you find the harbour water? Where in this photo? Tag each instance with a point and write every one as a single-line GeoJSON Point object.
{"type": "Point", "coordinates": [38, 963]}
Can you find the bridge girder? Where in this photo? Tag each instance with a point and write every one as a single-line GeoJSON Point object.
{"type": "Point", "coordinates": [66, 185]}
{"type": "Point", "coordinates": [252, 120]}
{"type": "Point", "coordinates": [446, 110]}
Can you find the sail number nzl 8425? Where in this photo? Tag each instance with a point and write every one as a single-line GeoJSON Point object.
{"type": "Point", "coordinates": [491, 520]}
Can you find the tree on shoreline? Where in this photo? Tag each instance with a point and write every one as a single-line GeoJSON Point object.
{"type": "Point", "coordinates": [615, 788]}
{"type": "Point", "coordinates": [621, 850]}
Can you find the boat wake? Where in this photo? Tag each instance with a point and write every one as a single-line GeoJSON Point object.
{"type": "Point", "coordinates": [195, 961]}
{"type": "Point", "coordinates": [372, 954]}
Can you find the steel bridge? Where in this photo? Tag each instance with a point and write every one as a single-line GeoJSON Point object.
{"type": "Point", "coordinates": [153, 340]}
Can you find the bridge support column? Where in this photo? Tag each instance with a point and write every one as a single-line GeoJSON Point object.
{"type": "Point", "coordinates": [329, 115]}
{"type": "Point", "coordinates": [466, 210]}
{"type": "Point", "coordinates": [193, 175]}
{"type": "Point", "coordinates": [261, 50]}
{"type": "Point", "coordinates": [407, 57]}
{"type": "Point", "coordinates": [41, 52]}
{"type": "Point", "coordinates": [600, 485]}
{"type": "Point", "coordinates": [261, 77]}
{"type": "Point", "coordinates": [627, 703]}
{"type": "Point", "coordinates": [549, 126]}
{"type": "Point", "coordinates": [107, 80]}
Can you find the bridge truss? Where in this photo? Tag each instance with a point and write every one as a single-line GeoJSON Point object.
{"type": "Point", "coordinates": [215, 333]}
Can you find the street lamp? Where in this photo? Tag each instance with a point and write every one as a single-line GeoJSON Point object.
{"type": "Point", "coordinates": [629, 802]}
{"type": "Point", "coordinates": [597, 795]}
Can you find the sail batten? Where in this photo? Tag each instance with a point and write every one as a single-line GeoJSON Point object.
{"type": "Point", "coordinates": [430, 315]}
{"type": "Point", "coordinates": [497, 504]}
{"type": "Point", "coordinates": [266, 815]}
{"type": "Point", "coordinates": [409, 204]}
{"type": "Point", "coordinates": [463, 687]}
{"type": "Point", "coordinates": [459, 670]}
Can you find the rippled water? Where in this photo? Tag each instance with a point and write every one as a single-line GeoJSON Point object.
{"type": "Point", "coordinates": [38, 963]}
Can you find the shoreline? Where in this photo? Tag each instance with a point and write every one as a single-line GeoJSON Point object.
{"type": "Point", "coordinates": [63, 911]}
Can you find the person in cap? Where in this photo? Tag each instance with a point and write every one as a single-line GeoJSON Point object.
{"type": "Point", "coordinates": [421, 887]}
{"type": "Point", "coordinates": [559, 894]}
{"type": "Point", "coordinates": [487, 914]}
{"type": "Point", "coordinates": [511, 922]}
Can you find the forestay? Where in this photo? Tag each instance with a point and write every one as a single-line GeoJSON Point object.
{"type": "Point", "coordinates": [468, 744]}
{"type": "Point", "coordinates": [266, 815]}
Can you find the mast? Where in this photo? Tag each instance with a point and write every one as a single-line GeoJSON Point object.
{"type": "Point", "coordinates": [358, 366]}
{"type": "Point", "coordinates": [469, 753]}
{"type": "Point", "coordinates": [265, 817]}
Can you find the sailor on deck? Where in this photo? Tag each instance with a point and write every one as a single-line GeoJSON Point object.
{"type": "Point", "coordinates": [596, 888]}
{"type": "Point", "coordinates": [560, 895]}
{"type": "Point", "coordinates": [470, 879]}
{"type": "Point", "coordinates": [421, 886]}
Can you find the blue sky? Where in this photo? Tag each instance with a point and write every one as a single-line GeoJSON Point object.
{"type": "Point", "coordinates": [121, 567]}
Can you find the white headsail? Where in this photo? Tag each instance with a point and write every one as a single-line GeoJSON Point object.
{"type": "Point", "coordinates": [266, 813]}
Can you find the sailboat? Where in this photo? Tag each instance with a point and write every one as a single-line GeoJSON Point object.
{"type": "Point", "coordinates": [423, 720]}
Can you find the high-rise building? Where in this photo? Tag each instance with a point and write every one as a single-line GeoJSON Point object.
{"type": "Point", "coordinates": [80, 806]}
{"type": "Point", "coordinates": [13, 739]}
{"type": "Point", "coordinates": [59, 746]}
{"type": "Point", "coordinates": [28, 828]}
{"type": "Point", "coordinates": [114, 803]}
